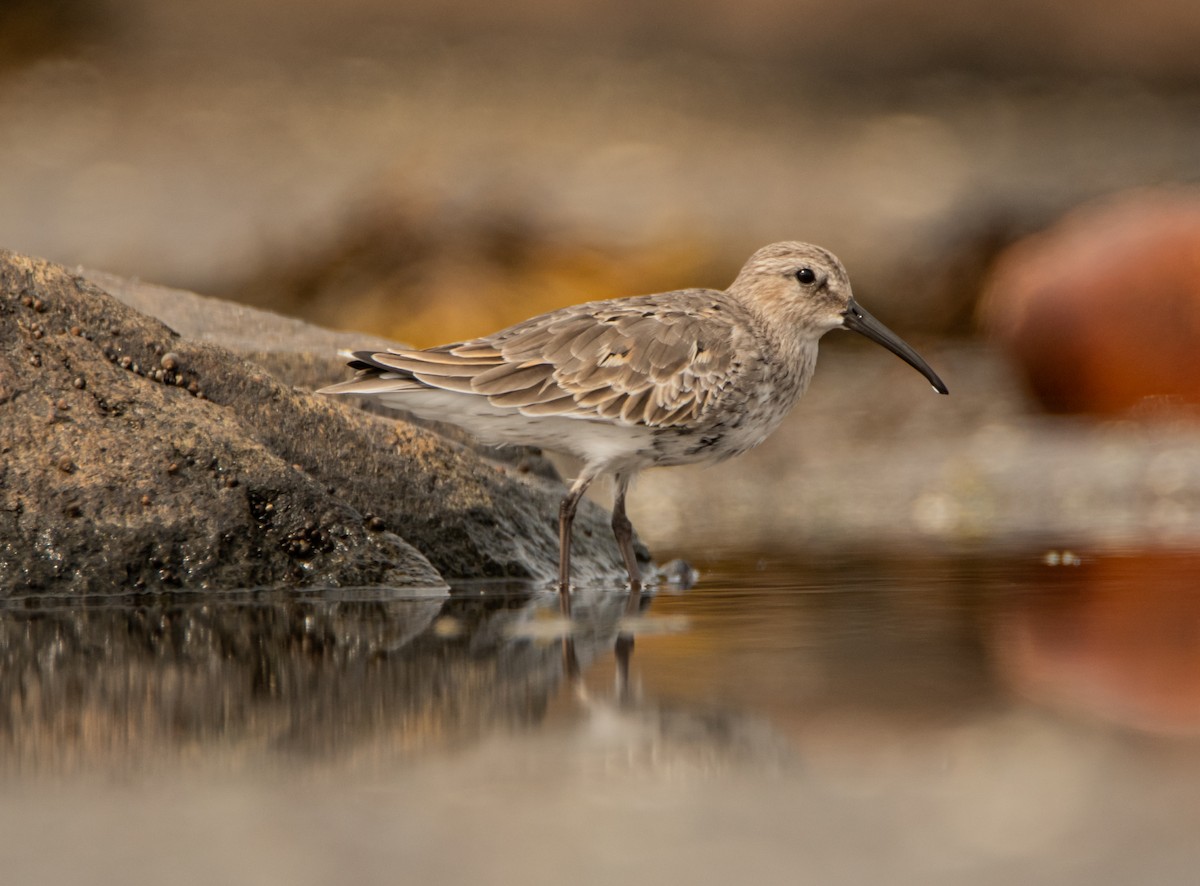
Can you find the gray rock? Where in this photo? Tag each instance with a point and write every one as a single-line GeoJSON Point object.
{"type": "Point", "coordinates": [132, 456]}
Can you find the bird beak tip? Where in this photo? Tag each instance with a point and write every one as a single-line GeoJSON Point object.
{"type": "Point", "coordinates": [858, 320]}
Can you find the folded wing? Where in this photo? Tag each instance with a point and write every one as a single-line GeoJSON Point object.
{"type": "Point", "coordinates": [655, 361]}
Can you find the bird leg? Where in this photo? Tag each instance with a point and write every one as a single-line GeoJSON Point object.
{"type": "Point", "coordinates": [623, 530]}
{"type": "Point", "coordinates": [566, 516]}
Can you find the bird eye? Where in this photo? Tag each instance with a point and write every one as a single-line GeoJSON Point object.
{"type": "Point", "coordinates": [806, 276]}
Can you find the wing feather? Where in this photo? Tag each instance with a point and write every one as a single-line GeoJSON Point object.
{"type": "Point", "coordinates": [445, 382]}
{"type": "Point", "coordinates": [657, 361]}
{"type": "Point", "coordinates": [559, 406]}
{"type": "Point", "coordinates": [508, 377]}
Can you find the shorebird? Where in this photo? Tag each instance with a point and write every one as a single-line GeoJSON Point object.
{"type": "Point", "coordinates": [693, 375]}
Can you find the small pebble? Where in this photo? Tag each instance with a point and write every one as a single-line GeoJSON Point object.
{"type": "Point", "coordinates": [27, 301]}
{"type": "Point", "coordinates": [1061, 558]}
{"type": "Point", "coordinates": [80, 382]}
{"type": "Point", "coordinates": [170, 360]}
{"type": "Point", "coordinates": [66, 465]}
{"type": "Point", "coordinates": [62, 404]}
{"type": "Point", "coordinates": [126, 361]}
{"type": "Point", "coordinates": [173, 467]}
{"type": "Point", "coordinates": [146, 501]}
{"type": "Point", "coordinates": [75, 330]}
{"type": "Point", "coordinates": [680, 573]}
{"type": "Point", "coordinates": [39, 306]}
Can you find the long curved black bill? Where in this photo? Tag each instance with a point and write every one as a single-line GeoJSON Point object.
{"type": "Point", "coordinates": [860, 321]}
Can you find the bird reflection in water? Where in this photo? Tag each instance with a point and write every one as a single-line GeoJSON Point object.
{"type": "Point", "coordinates": [635, 606]}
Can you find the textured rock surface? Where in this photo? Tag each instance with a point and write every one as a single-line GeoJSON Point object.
{"type": "Point", "coordinates": [131, 456]}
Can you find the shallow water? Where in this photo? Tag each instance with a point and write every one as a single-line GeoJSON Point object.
{"type": "Point", "coordinates": [1032, 718]}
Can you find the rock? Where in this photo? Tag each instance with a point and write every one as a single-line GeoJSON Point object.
{"type": "Point", "coordinates": [133, 457]}
{"type": "Point", "coordinates": [1102, 311]}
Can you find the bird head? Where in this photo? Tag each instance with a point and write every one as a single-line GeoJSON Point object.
{"type": "Point", "coordinates": [806, 288]}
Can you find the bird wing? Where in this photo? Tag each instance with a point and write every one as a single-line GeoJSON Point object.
{"type": "Point", "coordinates": [655, 361]}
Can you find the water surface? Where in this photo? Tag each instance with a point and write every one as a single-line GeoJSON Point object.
{"type": "Point", "coordinates": [1031, 718]}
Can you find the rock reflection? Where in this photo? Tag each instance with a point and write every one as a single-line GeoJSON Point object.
{"type": "Point", "coordinates": [1112, 638]}
{"type": "Point", "coordinates": [145, 682]}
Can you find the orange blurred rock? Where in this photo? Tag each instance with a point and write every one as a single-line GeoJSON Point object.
{"type": "Point", "coordinates": [1102, 311]}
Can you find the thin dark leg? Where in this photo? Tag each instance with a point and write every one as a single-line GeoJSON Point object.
{"type": "Point", "coordinates": [623, 530]}
{"type": "Point", "coordinates": [566, 516]}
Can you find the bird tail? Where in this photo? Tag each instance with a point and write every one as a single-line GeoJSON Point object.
{"type": "Point", "coordinates": [372, 377]}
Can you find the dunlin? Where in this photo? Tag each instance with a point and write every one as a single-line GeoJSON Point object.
{"type": "Point", "coordinates": [695, 375]}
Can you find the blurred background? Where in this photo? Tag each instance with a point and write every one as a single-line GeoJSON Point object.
{"type": "Point", "coordinates": [1010, 186]}
{"type": "Point", "coordinates": [1013, 188]}
{"type": "Point", "coordinates": [431, 170]}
